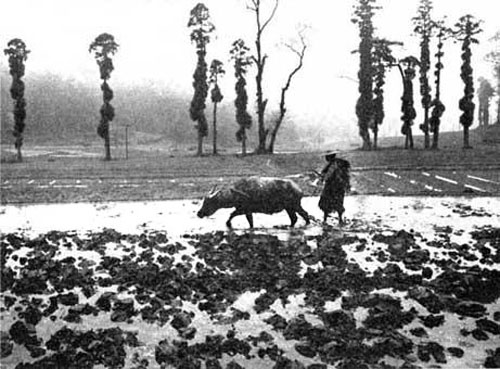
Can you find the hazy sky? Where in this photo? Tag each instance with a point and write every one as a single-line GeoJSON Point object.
{"type": "Point", "coordinates": [155, 49]}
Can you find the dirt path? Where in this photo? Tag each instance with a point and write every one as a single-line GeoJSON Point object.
{"type": "Point", "coordinates": [456, 182]}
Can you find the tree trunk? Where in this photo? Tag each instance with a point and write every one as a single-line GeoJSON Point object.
{"type": "Point", "coordinates": [19, 154]}
{"type": "Point", "coordinates": [409, 138]}
{"type": "Point", "coordinates": [435, 139]}
{"type": "Point", "coordinates": [426, 125]}
{"type": "Point", "coordinates": [367, 145]}
{"type": "Point", "coordinates": [215, 129]}
{"type": "Point", "coordinates": [466, 138]}
{"type": "Point", "coordinates": [274, 132]}
{"type": "Point", "coordinates": [107, 146]}
{"type": "Point", "coordinates": [375, 138]}
{"type": "Point", "coordinates": [17, 144]}
{"type": "Point", "coordinates": [270, 148]}
{"type": "Point", "coordinates": [498, 111]}
{"type": "Point", "coordinates": [260, 62]}
{"type": "Point", "coordinates": [261, 107]}
{"type": "Point", "coordinates": [200, 144]}
{"type": "Point", "coordinates": [244, 145]}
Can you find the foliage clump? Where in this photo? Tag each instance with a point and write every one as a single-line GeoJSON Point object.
{"type": "Point", "coordinates": [494, 58]}
{"type": "Point", "coordinates": [18, 53]}
{"type": "Point", "coordinates": [438, 108]}
{"type": "Point", "coordinates": [407, 103]}
{"type": "Point", "coordinates": [485, 93]}
{"type": "Point", "coordinates": [239, 54]}
{"type": "Point", "coordinates": [363, 15]}
{"type": "Point", "coordinates": [103, 47]}
{"type": "Point", "coordinates": [424, 27]}
{"type": "Point", "coordinates": [382, 59]}
{"type": "Point", "coordinates": [465, 30]}
{"type": "Point", "coordinates": [216, 71]}
{"type": "Point", "coordinates": [201, 26]}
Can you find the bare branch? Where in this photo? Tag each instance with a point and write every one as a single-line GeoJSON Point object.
{"type": "Point", "coordinates": [293, 49]}
{"type": "Point", "coordinates": [302, 39]}
{"type": "Point", "coordinates": [255, 6]}
{"type": "Point", "coordinates": [301, 55]}
{"type": "Point", "coordinates": [271, 16]}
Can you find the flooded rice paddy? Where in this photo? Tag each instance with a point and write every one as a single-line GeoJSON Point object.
{"type": "Point", "coordinates": [406, 283]}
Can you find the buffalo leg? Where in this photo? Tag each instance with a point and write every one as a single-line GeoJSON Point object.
{"type": "Point", "coordinates": [303, 214]}
{"type": "Point", "coordinates": [234, 214]}
{"type": "Point", "coordinates": [250, 219]}
{"type": "Point", "coordinates": [292, 215]}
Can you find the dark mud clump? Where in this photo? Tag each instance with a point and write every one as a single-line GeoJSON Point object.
{"type": "Point", "coordinates": [152, 280]}
{"type": "Point", "coordinates": [75, 349]}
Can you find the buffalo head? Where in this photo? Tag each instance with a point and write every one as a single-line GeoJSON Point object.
{"type": "Point", "coordinates": [210, 204]}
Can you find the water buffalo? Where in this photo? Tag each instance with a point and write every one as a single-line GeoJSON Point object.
{"type": "Point", "coordinates": [256, 195]}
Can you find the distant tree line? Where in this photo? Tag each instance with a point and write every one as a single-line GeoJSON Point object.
{"type": "Point", "coordinates": [201, 31]}
{"type": "Point", "coordinates": [376, 59]}
{"type": "Point", "coordinates": [153, 115]}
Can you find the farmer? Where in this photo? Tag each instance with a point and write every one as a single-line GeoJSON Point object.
{"type": "Point", "coordinates": [335, 176]}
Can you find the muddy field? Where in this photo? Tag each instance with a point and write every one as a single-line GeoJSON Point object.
{"type": "Point", "coordinates": [406, 283]}
{"type": "Point", "coordinates": [73, 174]}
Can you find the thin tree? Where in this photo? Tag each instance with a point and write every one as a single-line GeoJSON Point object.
{"type": "Point", "coordinates": [382, 59]}
{"type": "Point", "coordinates": [239, 54]}
{"type": "Point", "coordinates": [103, 47]}
{"type": "Point", "coordinates": [216, 71]}
{"type": "Point", "coordinates": [201, 27]}
{"type": "Point", "coordinates": [494, 58]}
{"type": "Point", "coordinates": [18, 54]}
{"type": "Point", "coordinates": [300, 52]}
{"type": "Point", "coordinates": [465, 30]}
{"type": "Point", "coordinates": [363, 15]}
{"type": "Point", "coordinates": [260, 62]}
{"type": "Point", "coordinates": [485, 93]}
{"type": "Point", "coordinates": [424, 27]}
{"type": "Point", "coordinates": [407, 104]}
{"type": "Point", "coordinates": [438, 108]}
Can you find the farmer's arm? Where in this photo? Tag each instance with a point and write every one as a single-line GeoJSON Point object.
{"type": "Point", "coordinates": [323, 173]}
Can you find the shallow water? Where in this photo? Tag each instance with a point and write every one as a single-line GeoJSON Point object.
{"type": "Point", "coordinates": [179, 216]}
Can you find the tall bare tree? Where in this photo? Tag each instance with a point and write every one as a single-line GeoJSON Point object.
{"type": "Point", "coordinates": [216, 71]}
{"type": "Point", "coordinates": [103, 47]}
{"type": "Point", "coordinates": [382, 59]}
{"type": "Point", "coordinates": [364, 10]}
{"type": "Point", "coordinates": [299, 49]}
{"type": "Point", "coordinates": [465, 30]}
{"type": "Point", "coordinates": [438, 108]}
{"type": "Point", "coordinates": [262, 21]}
{"type": "Point", "coordinates": [494, 58]}
{"type": "Point", "coordinates": [18, 53]}
{"type": "Point", "coordinates": [424, 27]}
{"type": "Point", "coordinates": [201, 27]}
{"type": "Point", "coordinates": [484, 94]}
{"type": "Point", "coordinates": [239, 54]}
{"type": "Point", "coordinates": [407, 104]}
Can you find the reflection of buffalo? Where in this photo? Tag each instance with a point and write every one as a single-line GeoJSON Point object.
{"type": "Point", "coordinates": [256, 195]}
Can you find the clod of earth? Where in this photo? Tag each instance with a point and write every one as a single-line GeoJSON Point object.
{"type": "Point", "coordinates": [432, 321]}
{"type": "Point", "coordinates": [6, 344]}
{"type": "Point", "coordinates": [152, 282]}
{"type": "Point", "coordinates": [493, 359]}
